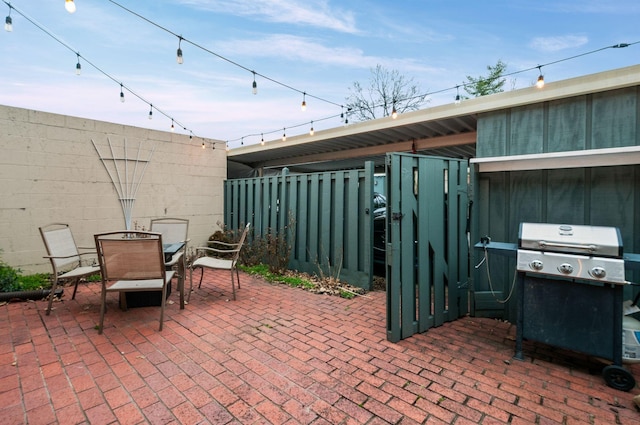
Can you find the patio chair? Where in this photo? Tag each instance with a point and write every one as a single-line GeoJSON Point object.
{"type": "Point", "coordinates": [225, 257]}
{"type": "Point", "coordinates": [131, 261]}
{"type": "Point", "coordinates": [174, 233]}
{"type": "Point", "coordinates": [65, 257]}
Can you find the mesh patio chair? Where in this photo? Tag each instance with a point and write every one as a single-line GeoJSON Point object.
{"type": "Point", "coordinates": [174, 232]}
{"type": "Point", "coordinates": [224, 257]}
{"type": "Point", "coordinates": [65, 257]}
{"type": "Point", "coordinates": [131, 261]}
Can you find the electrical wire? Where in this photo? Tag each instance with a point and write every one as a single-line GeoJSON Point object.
{"type": "Point", "coordinates": [93, 65]}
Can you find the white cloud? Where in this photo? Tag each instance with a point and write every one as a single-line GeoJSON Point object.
{"type": "Point", "coordinates": [557, 43]}
{"type": "Point", "coordinates": [317, 13]}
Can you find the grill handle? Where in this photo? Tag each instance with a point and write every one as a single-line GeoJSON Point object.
{"type": "Point", "coordinates": [589, 248]}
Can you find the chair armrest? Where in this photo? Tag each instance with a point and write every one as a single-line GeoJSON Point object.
{"type": "Point", "coordinates": [69, 256]}
{"type": "Point", "coordinates": [222, 243]}
{"type": "Point", "coordinates": [218, 251]}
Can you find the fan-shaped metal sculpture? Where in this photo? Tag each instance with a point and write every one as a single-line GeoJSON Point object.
{"type": "Point", "coordinates": [126, 174]}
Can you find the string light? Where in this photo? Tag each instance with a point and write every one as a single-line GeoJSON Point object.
{"type": "Point", "coordinates": [284, 135]}
{"type": "Point", "coordinates": [311, 130]}
{"type": "Point", "coordinates": [457, 101]}
{"type": "Point", "coordinates": [394, 113]}
{"type": "Point", "coordinates": [304, 102]}
{"type": "Point", "coordinates": [179, 53]}
{"type": "Point", "coordinates": [121, 94]}
{"type": "Point", "coordinates": [70, 6]}
{"type": "Point", "coordinates": [150, 112]}
{"type": "Point", "coordinates": [262, 139]}
{"type": "Point", "coordinates": [8, 23]}
{"type": "Point", "coordinates": [540, 82]}
{"type": "Point", "coordinates": [203, 145]}
{"type": "Point", "coordinates": [255, 85]}
{"type": "Point", "coordinates": [172, 127]}
{"type": "Point", "coordinates": [78, 66]}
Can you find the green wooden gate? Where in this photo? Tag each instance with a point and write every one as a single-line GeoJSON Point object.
{"type": "Point", "coordinates": [427, 242]}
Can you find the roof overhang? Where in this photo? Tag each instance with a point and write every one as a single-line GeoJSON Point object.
{"type": "Point", "coordinates": [446, 130]}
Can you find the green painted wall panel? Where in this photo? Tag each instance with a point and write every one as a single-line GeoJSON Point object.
{"type": "Point", "coordinates": [614, 118]}
{"type": "Point", "coordinates": [567, 125]}
{"type": "Point", "coordinates": [526, 130]}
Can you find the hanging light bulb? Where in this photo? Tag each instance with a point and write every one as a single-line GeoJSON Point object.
{"type": "Point", "coordinates": [284, 136]}
{"type": "Point", "coordinates": [540, 82]}
{"type": "Point", "coordinates": [304, 102]}
{"type": "Point", "coordinates": [262, 139]}
{"type": "Point", "coordinates": [457, 95]}
{"type": "Point", "coordinates": [227, 146]}
{"type": "Point", "coordinates": [242, 141]}
{"type": "Point", "coordinates": [78, 66]}
{"type": "Point", "coordinates": [179, 54]}
{"type": "Point", "coordinates": [121, 94]}
{"type": "Point", "coordinates": [172, 127]}
{"type": "Point", "coordinates": [150, 112]}
{"type": "Point", "coordinates": [8, 23]}
{"type": "Point", "coordinates": [311, 130]}
{"type": "Point", "coordinates": [254, 88]}
{"type": "Point", "coordinates": [70, 6]}
{"type": "Point", "coordinates": [203, 145]}
{"type": "Point", "coordinates": [394, 113]}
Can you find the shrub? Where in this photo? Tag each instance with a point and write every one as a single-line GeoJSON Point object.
{"type": "Point", "coordinates": [11, 280]}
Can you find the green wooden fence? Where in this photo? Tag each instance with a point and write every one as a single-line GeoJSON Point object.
{"type": "Point", "coordinates": [327, 218]}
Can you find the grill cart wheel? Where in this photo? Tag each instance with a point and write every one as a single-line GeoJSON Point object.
{"type": "Point", "coordinates": [618, 378]}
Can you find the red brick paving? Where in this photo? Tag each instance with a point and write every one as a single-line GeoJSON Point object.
{"type": "Point", "coordinates": [280, 355]}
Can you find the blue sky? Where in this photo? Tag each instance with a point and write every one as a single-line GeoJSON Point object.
{"type": "Point", "coordinates": [315, 46]}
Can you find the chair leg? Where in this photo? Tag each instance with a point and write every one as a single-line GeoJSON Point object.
{"type": "Point", "coordinates": [103, 307]}
{"type": "Point", "coordinates": [201, 276]}
{"type": "Point", "coordinates": [54, 286]}
{"type": "Point", "coordinates": [75, 287]}
{"type": "Point", "coordinates": [162, 304]}
{"type": "Point", "coordinates": [238, 278]}
{"type": "Point", "coordinates": [190, 284]}
{"type": "Point", "coordinates": [181, 273]}
{"type": "Point", "coordinates": [233, 286]}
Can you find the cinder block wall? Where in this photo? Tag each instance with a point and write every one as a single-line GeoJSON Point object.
{"type": "Point", "coordinates": [50, 171]}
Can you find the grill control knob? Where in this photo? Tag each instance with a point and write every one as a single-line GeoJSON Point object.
{"type": "Point", "coordinates": [565, 268]}
{"type": "Point", "coordinates": [598, 272]}
{"type": "Point", "coordinates": [536, 265]}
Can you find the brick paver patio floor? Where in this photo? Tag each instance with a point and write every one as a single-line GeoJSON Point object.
{"type": "Point", "coordinates": [279, 355]}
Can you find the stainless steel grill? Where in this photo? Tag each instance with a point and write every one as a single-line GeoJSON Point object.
{"type": "Point", "coordinates": [572, 251]}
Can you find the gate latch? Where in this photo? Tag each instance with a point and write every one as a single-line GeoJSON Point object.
{"type": "Point", "coordinates": [396, 216]}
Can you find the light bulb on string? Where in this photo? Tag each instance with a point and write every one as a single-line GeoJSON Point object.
{"type": "Point", "coordinates": [262, 139]}
{"type": "Point", "coordinates": [70, 6]}
{"type": "Point", "coordinates": [179, 53]}
{"type": "Point", "coordinates": [121, 94]}
{"type": "Point", "coordinates": [457, 95]}
{"type": "Point", "coordinates": [254, 88]}
{"type": "Point", "coordinates": [394, 112]}
{"type": "Point", "coordinates": [540, 82]}
{"type": "Point", "coordinates": [8, 23]}
{"type": "Point", "coordinates": [172, 127]}
{"type": "Point", "coordinates": [304, 102]}
{"type": "Point", "coordinates": [150, 112]}
{"type": "Point", "coordinates": [203, 145]}
{"type": "Point", "coordinates": [284, 135]}
{"type": "Point", "coordinates": [311, 130]}
{"type": "Point", "coordinates": [227, 146]}
{"type": "Point", "coordinates": [78, 66]}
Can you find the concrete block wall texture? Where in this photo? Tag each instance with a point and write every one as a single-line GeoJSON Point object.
{"type": "Point", "coordinates": [50, 171]}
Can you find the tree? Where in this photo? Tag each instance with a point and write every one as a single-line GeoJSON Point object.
{"type": "Point", "coordinates": [388, 89]}
{"type": "Point", "coordinates": [490, 84]}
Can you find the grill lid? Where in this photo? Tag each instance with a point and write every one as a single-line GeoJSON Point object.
{"type": "Point", "coordinates": [568, 238]}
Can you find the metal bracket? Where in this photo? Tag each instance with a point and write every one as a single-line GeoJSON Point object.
{"type": "Point", "coordinates": [397, 216]}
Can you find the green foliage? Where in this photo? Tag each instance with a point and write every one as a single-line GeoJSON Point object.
{"type": "Point", "coordinates": [266, 273]}
{"type": "Point", "coordinates": [11, 280]}
{"type": "Point", "coordinates": [273, 248]}
{"type": "Point", "coordinates": [490, 84]}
